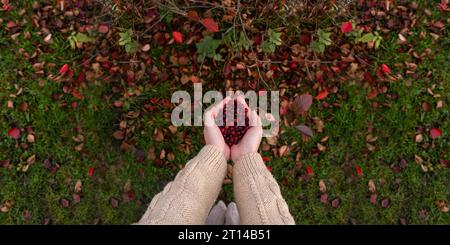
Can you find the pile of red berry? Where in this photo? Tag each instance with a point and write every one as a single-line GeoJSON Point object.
{"type": "Point", "coordinates": [233, 128]}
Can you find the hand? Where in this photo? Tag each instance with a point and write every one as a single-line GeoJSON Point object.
{"type": "Point", "coordinates": [252, 138]}
{"type": "Point", "coordinates": [211, 131]}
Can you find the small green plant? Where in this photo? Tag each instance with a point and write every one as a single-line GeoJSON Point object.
{"type": "Point", "coordinates": [126, 40]}
{"type": "Point", "coordinates": [166, 14]}
{"type": "Point", "coordinates": [273, 40]}
{"type": "Point", "coordinates": [78, 37]}
{"type": "Point", "coordinates": [323, 40]}
{"type": "Point", "coordinates": [206, 48]}
{"type": "Point", "coordinates": [369, 38]}
{"type": "Point", "coordinates": [236, 40]}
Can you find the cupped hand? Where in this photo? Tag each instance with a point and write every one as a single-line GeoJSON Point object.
{"type": "Point", "coordinates": [211, 131]}
{"type": "Point", "coordinates": [252, 138]}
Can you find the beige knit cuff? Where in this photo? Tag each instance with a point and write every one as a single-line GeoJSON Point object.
{"type": "Point", "coordinates": [213, 158]}
{"type": "Point", "coordinates": [251, 164]}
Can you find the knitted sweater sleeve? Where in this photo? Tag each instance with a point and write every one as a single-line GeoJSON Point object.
{"type": "Point", "coordinates": [188, 199]}
{"type": "Point", "coordinates": [257, 193]}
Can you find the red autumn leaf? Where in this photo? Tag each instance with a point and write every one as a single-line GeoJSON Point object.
{"type": "Point", "coordinates": [269, 168]}
{"type": "Point", "coordinates": [14, 133]}
{"type": "Point", "coordinates": [103, 28]}
{"type": "Point", "coordinates": [305, 39]}
{"type": "Point", "coordinates": [6, 6]}
{"type": "Point", "coordinates": [64, 69]}
{"type": "Point", "coordinates": [346, 27]}
{"type": "Point", "coordinates": [70, 73]}
{"type": "Point", "coordinates": [266, 159]}
{"type": "Point", "coordinates": [322, 95]}
{"type": "Point", "coordinates": [178, 37]}
{"type": "Point", "coordinates": [64, 202]}
{"type": "Point", "coordinates": [359, 171]}
{"type": "Point", "coordinates": [435, 133]}
{"type": "Point", "coordinates": [336, 202]}
{"type": "Point", "coordinates": [91, 171]}
{"type": "Point", "coordinates": [309, 170]}
{"type": "Point", "coordinates": [443, 5]}
{"type": "Point", "coordinates": [210, 24]}
{"type": "Point", "coordinates": [372, 94]}
{"type": "Point", "coordinates": [385, 69]}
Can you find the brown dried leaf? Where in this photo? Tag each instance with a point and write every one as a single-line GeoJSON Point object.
{"type": "Point", "coordinates": [119, 135]}
{"type": "Point", "coordinates": [283, 150]}
{"type": "Point", "coordinates": [319, 124]}
{"type": "Point", "coordinates": [371, 185]}
{"type": "Point", "coordinates": [443, 206]}
{"type": "Point", "coordinates": [158, 135]}
{"type": "Point", "coordinates": [301, 103]}
{"type": "Point", "coordinates": [305, 130]}
{"type": "Point", "coordinates": [322, 186]}
{"type": "Point", "coordinates": [78, 186]}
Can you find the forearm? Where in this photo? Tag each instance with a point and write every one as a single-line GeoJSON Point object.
{"type": "Point", "coordinates": [188, 199]}
{"type": "Point", "coordinates": [257, 193]}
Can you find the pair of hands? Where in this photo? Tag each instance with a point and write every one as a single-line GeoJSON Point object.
{"type": "Point", "coordinates": [248, 144]}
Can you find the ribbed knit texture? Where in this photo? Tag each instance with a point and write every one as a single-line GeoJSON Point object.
{"type": "Point", "coordinates": [257, 193]}
{"type": "Point", "coordinates": [189, 198]}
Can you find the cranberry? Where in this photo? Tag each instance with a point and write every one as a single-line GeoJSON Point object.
{"type": "Point", "coordinates": [232, 126]}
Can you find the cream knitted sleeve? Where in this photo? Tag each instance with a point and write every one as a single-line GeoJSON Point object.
{"type": "Point", "coordinates": [188, 199]}
{"type": "Point", "coordinates": [257, 193]}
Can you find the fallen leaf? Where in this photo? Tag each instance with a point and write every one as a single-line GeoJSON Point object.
{"type": "Point", "coordinates": [359, 171]}
{"type": "Point", "coordinates": [302, 103]}
{"type": "Point", "coordinates": [78, 186]}
{"type": "Point", "coordinates": [76, 198]}
{"type": "Point", "coordinates": [418, 159]}
{"type": "Point", "coordinates": [419, 138]}
{"type": "Point", "coordinates": [336, 203]}
{"type": "Point", "coordinates": [30, 138]}
{"type": "Point", "coordinates": [435, 133]}
{"type": "Point", "coordinates": [283, 150]}
{"type": "Point", "coordinates": [373, 198]}
{"type": "Point", "coordinates": [346, 27]}
{"type": "Point", "coordinates": [319, 124]}
{"type": "Point", "coordinates": [177, 36]}
{"type": "Point", "coordinates": [371, 186]}
{"type": "Point", "coordinates": [114, 202]}
{"type": "Point", "coordinates": [119, 135]}
{"type": "Point", "coordinates": [322, 186]}
{"type": "Point", "coordinates": [64, 203]}
{"type": "Point", "coordinates": [91, 171]}
{"type": "Point", "coordinates": [385, 202]}
{"type": "Point", "coordinates": [305, 130]}
{"type": "Point", "coordinates": [14, 133]}
{"type": "Point", "coordinates": [324, 198]}
{"type": "Point", "coordinates": [321, 147]}
{"type": "Point", "coordinates": [385, 69]}
{"type": "Point", "coordinates": [103, 28]}
{"type": "Point", "coordinates": [31, 159]}
{"type": "Point", "coordinates": [309, 170]}
{"type": "Point", "coordinates": [193, 15]}
{"type": "Point", "coordinates": [426, 106]}
{"type": "Point", "coordinates": [322, 95]}
{"type": "Point", "coordinates": [48, 38]}
{"type": "Point", "coordinates": [210, 24]}
{"type": "Point", "coordinates": [145, 48]}
{"type": "Point", "coordinates": [442, 206]}
{"type": "Point", "coordinates": [63, 70]}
